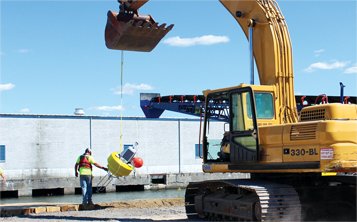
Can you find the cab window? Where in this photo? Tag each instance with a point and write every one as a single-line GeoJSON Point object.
{"type": "Point", "coordinates": [264, 106]}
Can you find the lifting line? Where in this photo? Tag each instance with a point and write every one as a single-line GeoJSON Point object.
{"type": "Point", "coordinates": [121, 100]}
{"type": "Point", "coordinates": [109, 177]}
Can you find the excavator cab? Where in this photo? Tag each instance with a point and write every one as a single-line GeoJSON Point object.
{"type": "Point", "coordinates": [241, 143]}
{"type": "Point", "coordinates": [127, 30]}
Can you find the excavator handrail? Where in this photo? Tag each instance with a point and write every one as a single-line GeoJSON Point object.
{"type": "Point", "coordinates": [324, 96]}
{"type": "Point", "coordinates": [345, 100]}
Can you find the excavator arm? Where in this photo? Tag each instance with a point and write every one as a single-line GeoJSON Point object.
{"type": "Point", "coordinates": [131, 5]}
{"type": "Point", "coordinates": [127, 30]}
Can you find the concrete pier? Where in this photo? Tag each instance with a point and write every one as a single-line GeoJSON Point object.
{"type": "Point", "coordinates": [68, 186]}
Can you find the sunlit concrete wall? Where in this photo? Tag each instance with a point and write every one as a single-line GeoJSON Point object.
{"type": "Point", "coordinates": [41, 150]}
{"type": "Point", "coordinates": [42, 146]}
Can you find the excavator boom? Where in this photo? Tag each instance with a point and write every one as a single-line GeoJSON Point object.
{"type": "Point", "coordinates": [127, 30]}
{"type": "Point", "coordinates": [271, 48]}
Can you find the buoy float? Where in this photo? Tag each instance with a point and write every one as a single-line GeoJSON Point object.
{"type": "Point", "coordinates": [118, 167]}
{"type": "Point", "coordinates": [138, 162]}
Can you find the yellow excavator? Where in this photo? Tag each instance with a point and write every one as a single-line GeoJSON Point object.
{"type": "Point", "coordinates": [302, 165]}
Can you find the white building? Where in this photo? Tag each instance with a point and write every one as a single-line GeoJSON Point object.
{"type": "Point", "coordinates": [40, 151]}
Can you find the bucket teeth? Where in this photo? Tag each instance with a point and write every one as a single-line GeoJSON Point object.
{"type": "Point", "coordinates": [161, 27]}
{"type": "Point", "coordinates": [138, 24]}
{"type": "Point", "coordinates": [169, 27]}
{"type": "Point", "coordinates": [146, 25]}
{"type": "Point", "coordinates": [133, 35]}
{"type": "Point", "coordinates": [155, 25]}
{"type": "Point", "coordinates": [131, 22]}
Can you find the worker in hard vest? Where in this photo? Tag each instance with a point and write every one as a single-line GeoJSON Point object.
{"type": "Point", "coordinates": [84, 165]}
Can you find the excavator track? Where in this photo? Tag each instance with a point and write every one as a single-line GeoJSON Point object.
{"type": "Point", "coordinates": [242, 200]}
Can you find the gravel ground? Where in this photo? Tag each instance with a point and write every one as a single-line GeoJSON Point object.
{"type": "Point", "coordinates": [170, 209]}
{"type": "Point", "coordinates": [107, 215]}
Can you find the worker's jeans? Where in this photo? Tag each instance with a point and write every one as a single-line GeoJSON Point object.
{"type": "Point", "coordinates": [86, 184]}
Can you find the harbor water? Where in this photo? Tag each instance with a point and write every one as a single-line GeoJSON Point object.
{"type": "Point", "coordinates": [100, 197]}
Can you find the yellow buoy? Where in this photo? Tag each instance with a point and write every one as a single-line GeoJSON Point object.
{"type": "Point", "coordinates": [117, 167]}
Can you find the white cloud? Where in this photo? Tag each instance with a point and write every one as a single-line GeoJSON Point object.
{"type": "Point", "coordinates": [106, 108]}
{"type": "Point", "coordinates": [319, 51]}
{"type": "Point", "coordinates": [26, 110]}
{"type": "Point", "coordinates": [8, 86]}
{"type": "Point", "coordinates": [203, 40]}
{"type": "Point", "coordinates": [22, 50]}
{"type": "Point", "coordinates": [324, 65]}
{"type": "Point", "coordinates": [352, 69]}
{"type": "Point", "coordinates": [129, 89]}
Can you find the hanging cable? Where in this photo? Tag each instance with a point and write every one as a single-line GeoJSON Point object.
{"type": "Point", "coordinates": [121, 100]}
{"type": "Point", "coordinates": [105, 181]}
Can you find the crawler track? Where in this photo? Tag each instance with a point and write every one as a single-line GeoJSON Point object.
{"type": "Point", "coordinates": [270, 202]}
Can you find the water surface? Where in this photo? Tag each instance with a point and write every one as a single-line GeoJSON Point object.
{"type": "Point", "coordinates": [100, 197]}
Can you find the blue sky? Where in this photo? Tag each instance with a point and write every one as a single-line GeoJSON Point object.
{"type": "Point", "coordinates": [54, 58]}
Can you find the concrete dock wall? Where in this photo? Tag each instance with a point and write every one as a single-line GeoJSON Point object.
{"type": "Point", "coordinates": [26, 187]}
{"type": "Point", "coordinates": [41, 150]}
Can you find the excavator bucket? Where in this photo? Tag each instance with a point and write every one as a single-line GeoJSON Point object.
{"type": "Point", "coordinates": [135, 33]}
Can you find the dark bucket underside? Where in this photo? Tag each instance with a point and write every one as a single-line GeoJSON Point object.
{"type": "Point", "coordinates": [133, 35]}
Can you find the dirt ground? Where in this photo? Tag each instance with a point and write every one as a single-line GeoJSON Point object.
{"type": "Point", "coordinates": [147, 203]}
{"type": "Point", "coordinates": [171, 209]}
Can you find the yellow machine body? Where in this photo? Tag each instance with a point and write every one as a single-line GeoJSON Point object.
{"type": "Point", "coordinates": [286, 153]}
{"type": "Point", "coordinates": [323, 140]}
